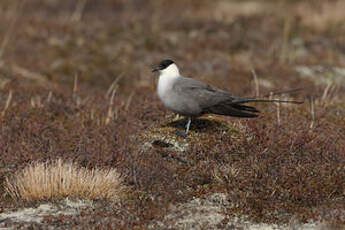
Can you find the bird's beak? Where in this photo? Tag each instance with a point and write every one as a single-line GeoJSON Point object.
{"type": "Point", "coordinates": [156, 69]}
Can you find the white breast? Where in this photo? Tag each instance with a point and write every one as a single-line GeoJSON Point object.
{"type": "Point", "coordinates": [165, 84]}
{"type": "Point", "coordinates": [167, 77]}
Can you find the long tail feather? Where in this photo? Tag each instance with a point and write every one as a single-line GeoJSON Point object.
{"type": "Point", "coordinates": [247, 100]}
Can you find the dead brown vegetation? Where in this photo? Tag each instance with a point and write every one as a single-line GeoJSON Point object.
{"type": "Point", "coordinates": [58, 101]}
{"type": "Point", "coordinates": [56, 180]}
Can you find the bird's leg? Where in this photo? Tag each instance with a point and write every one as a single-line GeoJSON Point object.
{"type": "Point", "coordinates": [188, 124]}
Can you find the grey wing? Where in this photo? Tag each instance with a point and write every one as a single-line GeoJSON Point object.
{"type": "Point", "coordinates": [200, 92]}
{"type": "Point", "coordinates": [211, 99]}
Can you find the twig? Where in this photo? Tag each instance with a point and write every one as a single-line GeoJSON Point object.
{"type": "Point", "coordinates": [50, 95]}
{"type": "Point", "coordinates": [8, 102]}
{"type": "Point", "coordinates": [36, 102]}
{"type": "Point", "coordinates": [129, 101]}
{"type": "Point", "coordinates": [110, 114]}
{"type": "Point", "coordinates": [113, 84]}
{"type": "Point", "coordinates": [278, 113]}
{"type": "Point", "coordinates": [75, 85]}
{"type": "Point", "coordinates": [312, 112]}
{"type": "Point", "coordinates": [326, 91]}
{"type": "Point", "coordinates": [256, 82]}
{"type": "Point", "coordinates": [78, 12]}
{"type": "Point", "coordinates": [278, 109]}
{"type": "Point", "coordinates": [32, 101]}
{"type": "Point", "coordinates": [75, 90]}
{"type": "Point", "coordinates": [286, 35]}
{"type": "Point", "coordinates": [92, 114]}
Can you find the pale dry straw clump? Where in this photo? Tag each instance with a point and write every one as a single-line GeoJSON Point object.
{"type": "Point", "coordinates": [59, 179]}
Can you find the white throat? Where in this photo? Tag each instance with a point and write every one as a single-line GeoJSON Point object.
{"type": "Point", "coordinates": [166, 80]}
{"type": "Point", "coordinates": [170, 71]}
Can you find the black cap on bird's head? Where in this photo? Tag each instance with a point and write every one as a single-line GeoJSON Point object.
{"type": "Point", "coordinates": [162, 65]}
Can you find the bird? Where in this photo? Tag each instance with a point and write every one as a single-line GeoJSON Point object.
{"type": "Point", "coordinates": [193, 98]}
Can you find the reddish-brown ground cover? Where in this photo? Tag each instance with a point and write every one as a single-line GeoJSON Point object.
{"type": "Point", "coordinates": [58, 64]}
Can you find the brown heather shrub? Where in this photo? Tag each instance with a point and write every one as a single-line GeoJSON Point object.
{"type": "Point", "coordinates": [61, 107]}
{"type": "Point", "coordinates": [59, 179]}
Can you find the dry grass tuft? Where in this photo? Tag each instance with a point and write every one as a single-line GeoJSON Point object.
{"type": "Point", "coordinates": [58, 179]}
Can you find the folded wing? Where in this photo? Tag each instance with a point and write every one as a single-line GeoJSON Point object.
{"type": "Point", "coordinates": [211, 99]}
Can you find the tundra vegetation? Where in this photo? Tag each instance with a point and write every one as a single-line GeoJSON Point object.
{"type": "Point", "coordinates": [78, 98]}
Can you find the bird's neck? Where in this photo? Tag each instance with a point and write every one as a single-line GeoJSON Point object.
{"type": "Point", "coordinates": [170, 72]}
